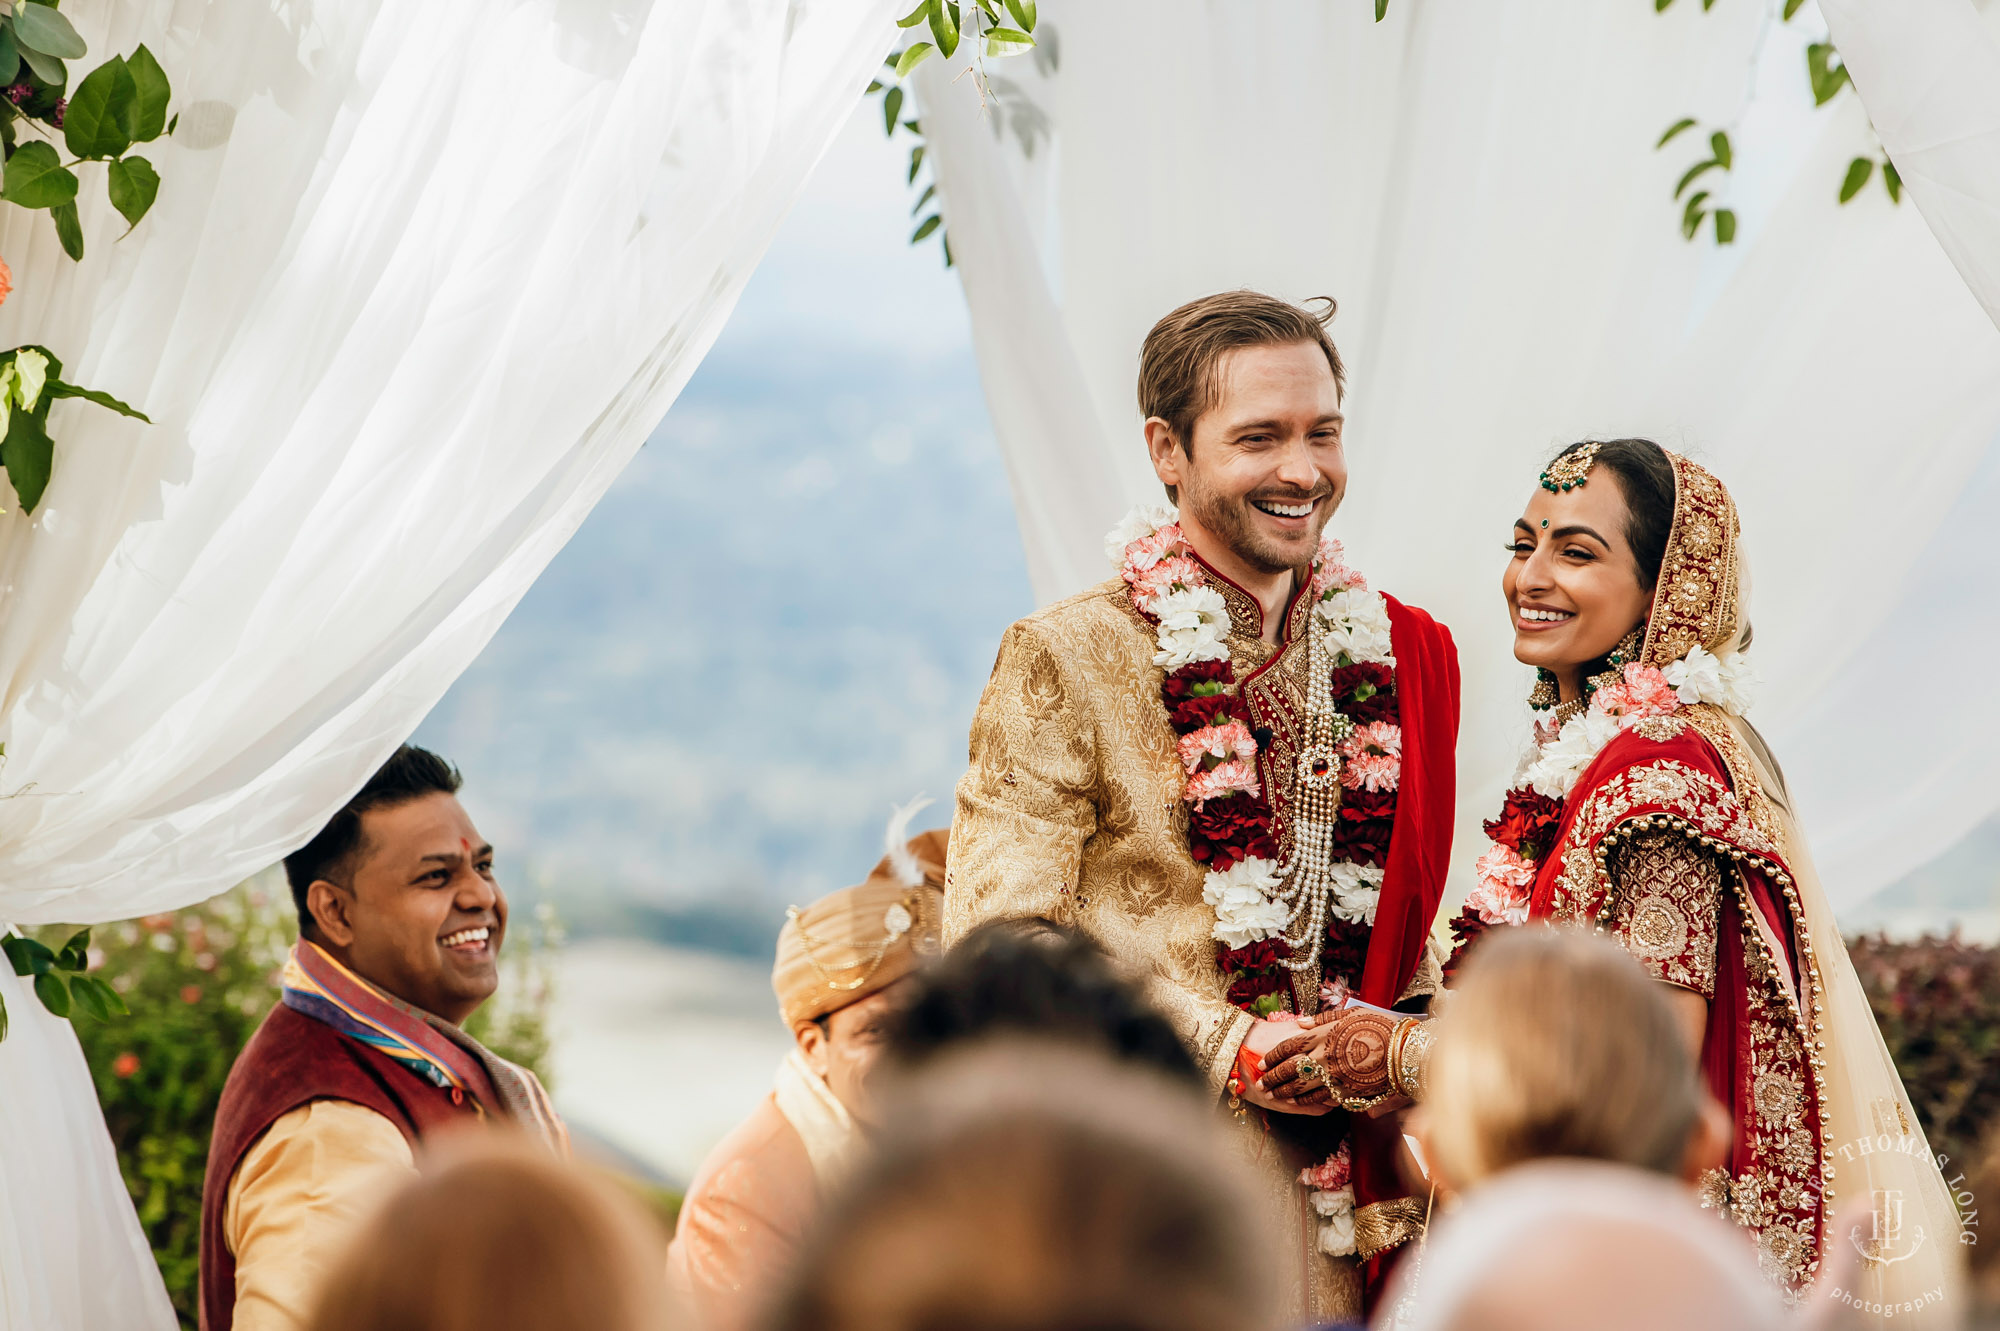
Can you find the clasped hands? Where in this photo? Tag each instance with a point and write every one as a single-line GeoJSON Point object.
{"type": "Point", "coordinates": [1316, 1063]}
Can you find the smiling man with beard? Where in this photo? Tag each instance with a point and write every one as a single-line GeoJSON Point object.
{"type": "Point", "coordinates": [400, 927]}
{"type": "Point", "coordinates": [1231, 767]}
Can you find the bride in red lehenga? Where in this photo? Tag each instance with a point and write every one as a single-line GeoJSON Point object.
{"type": "Point", "coordinates": [1650, 808]}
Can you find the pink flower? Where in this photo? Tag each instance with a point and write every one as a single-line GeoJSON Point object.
{"type": "Point", "coordinates": [1374, 757]}
{"type": "Point", "coordinates": [1330, 573]}
{"type": "Point", "coordinates": [1231, 739]}
{"type": "Point", "coordinates": [1332, 1173]}
{"type": "Point", "coordinates": [6, 279]}
{"type": "Point", "coordinates": [124, 1065]}
{"type": "Point", "coordinates": [1150, 550]}
{"type": "Point", "coordinates": [1226, 779]}
{"type": "Point", "coordinates": [1643, 692]}
{"type": "Point", "coordinates": [1158, 579]}
{"type": "Point", "coordinates": [1505, 880]}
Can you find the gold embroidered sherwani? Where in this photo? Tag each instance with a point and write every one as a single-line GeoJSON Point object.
{"type": "Point", "coordinates": [1071, 812]}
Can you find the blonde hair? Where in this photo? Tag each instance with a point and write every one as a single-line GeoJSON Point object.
{"type": "Point", "coordinates": [1556, 1043]}
{"type": "Point", "coordinates": [496, 1234]}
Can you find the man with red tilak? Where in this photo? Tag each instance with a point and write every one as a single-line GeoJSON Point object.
{"type": "Point", "coordinates": [1231, 766]}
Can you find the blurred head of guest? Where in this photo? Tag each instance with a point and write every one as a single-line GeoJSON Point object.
{"type": "Point", "coordinates": [499, 1235]}
{"type": "Point", "coordinates": [1556, 1043]}
{"type": "Point", "coordinates": [1037, 1186]}
{"type": "Point", "coordinates": [398, 887]}
{"type": "Point", "coordinates": [1579, 1245]}
{"type": "Point", "coordinates": [845, 965]}
{"type": "Point", "coordinates": [1047, 984]}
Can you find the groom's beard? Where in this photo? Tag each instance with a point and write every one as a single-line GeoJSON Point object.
{"type": "Point", "coordinates": [1237, 525]}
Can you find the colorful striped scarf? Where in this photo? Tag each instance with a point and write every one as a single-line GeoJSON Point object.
{"type": "Point", "coordinates": [317, 986]}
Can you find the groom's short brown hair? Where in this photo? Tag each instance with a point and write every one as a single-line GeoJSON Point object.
{"type": "Point", "coordinates": [1177, 365]}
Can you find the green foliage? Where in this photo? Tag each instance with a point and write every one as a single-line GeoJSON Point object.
{"type": "Point", "coordinates": [997, 32]}
{"type": "Point", "coordinates": [198, 983]}
{"type": "Point", "coordinates": [30, 383]}
{"type": "Point", "coordinates": [1858, 172]}
{"type": "Point", "coordinates": [120, 103]}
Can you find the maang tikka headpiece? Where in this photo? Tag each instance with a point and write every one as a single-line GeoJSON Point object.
{"type": "Point", "coordinates": [1568, 471]}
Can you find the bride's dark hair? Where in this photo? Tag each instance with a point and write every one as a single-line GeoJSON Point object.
{"type": "Point", "coordinates": [1646, 478]}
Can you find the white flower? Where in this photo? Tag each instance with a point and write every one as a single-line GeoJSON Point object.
{"type": "Point", "coordinates": [1727, 682]}
{"type": "Point", "coordinates": [1357, 890]}
{"type": "Point", "coordinates": [1143, 520]}
{"type": "Point", "coordinates": [31, 370]}
{"type": "Point", "coordinates": [1563, 759]}
{"type": "Point", "coordinates": [1193, 623]}
{"type": "Point", "coordinates": [1245, 903]}
{"type": "Point", "coordinates": [1358, 624]}
{"type": "Point", "coordinates": [1336, 1212]}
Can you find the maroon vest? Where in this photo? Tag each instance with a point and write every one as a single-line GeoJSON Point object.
{"type": "Point", "coordinates": [293, 1059]}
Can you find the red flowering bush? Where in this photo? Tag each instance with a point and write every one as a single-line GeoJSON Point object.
{"type": "Point", "coordinates": [1223, 833]}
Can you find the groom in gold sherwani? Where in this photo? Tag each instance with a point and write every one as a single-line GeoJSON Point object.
{"type": "Point", "coordinates": [1081, 798]}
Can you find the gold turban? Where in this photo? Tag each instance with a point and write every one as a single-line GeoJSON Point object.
{"type": "Point", "coordinates": [862, 939]}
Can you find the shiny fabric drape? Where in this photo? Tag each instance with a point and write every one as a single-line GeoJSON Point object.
{"type": "Point", "coordinates": [1478, 185]}
{"type": "Point", "coordinates": [421, 278]}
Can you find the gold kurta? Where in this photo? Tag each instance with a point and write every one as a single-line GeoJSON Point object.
{"type": "Point", "coordinates": [1070, 812]}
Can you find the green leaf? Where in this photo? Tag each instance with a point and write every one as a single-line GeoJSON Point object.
{"type": "Point", "coordinates": [94, 125]}
{"type": "Point", "coordinates": [133, 184]}
{"type": "Point", "coordinates": [945, 242]}
{"type": "Point", "coordinates": [36, 177]}
{"type": "Point", "coordinates": [916, 162]}
{"type": "Point", "coordinates": [1660, 6]}
{"type": "Point", "coordinates": [3, 1016]}
{"type": "Point", "coordinates": [1685, 122]}
{"type": "Point", "coordinates": [1791, 8]}
{"type": "Point", "coordinates": [89, 998]}
{"type": "Point", "coordinates": [944, 26]}
{"type": "Point", "coordinates": [1858, 172]}
{"type": "Point", "coordinates": [49, 987]}
{"type": "Point", "coordinates": [29, 956]}
{"type": "Point", "coordinates": [1381, 10]}
{"type": "Point", "coordinates": [930, 192]}
{"type": "Point", "coordinates": [27, 453]}
{"type": "Point", "coordinates": [1024, 13]}
{"type": "Point", "coordinates": [1892, 180]}
{"type": "Point", "coordinates": [69, 230]}
{"type": "Point", "coordinates": [43, 28]}
{"type": "Point", "coordinates": [1725, 226]}
{"type": "Point", "coordinates": [917, 15]}
{"type": "Point", "coordinates": [146, 113]}
{"type": "Point", "coordinates": [57, 388]}
{"type": "Point", "coordinates": [913, 55]}
{"type": "Point", "coordinates": [892, 105]}
{"type": "Point", "coordinates": [114, 1006]}
{"type": "Point", "coordinates": [47, 68]}
{"type": "Point", "coordinates": [928, 225]}
{"type": "Point", "coordinates": [10, 56]}
{"type": "Point", "coordinates": [1691, 216]}
{"type": "Point", "coordinates": [75, 954]}
{"type": "Point", "coordinates": [1827, 79]}
{"type": "Point", "coordinates": [913, 126]}
{"type": "Point", "coordinates": [1008, 41]}
{"type": "Point", "coordinates": [1692, 173]}
{"type": "Point", "coordinates": [1719, 142]}
{"type": "Point", "coordinates": [874, 86]}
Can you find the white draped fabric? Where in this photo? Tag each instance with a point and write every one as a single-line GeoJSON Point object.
{"type": "Point", "coordinates": [421, 278]}
{"type": "Point", "coordinates": [1478, 185]}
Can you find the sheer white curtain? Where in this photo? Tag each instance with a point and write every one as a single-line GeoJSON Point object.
{"type": "Point", "coordinates": [421, 278]}
{"type": "Point", "coordinates": [1478, 185]}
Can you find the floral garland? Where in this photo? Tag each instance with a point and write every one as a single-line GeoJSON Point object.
{"type": "Point", "coordinates": [1525, 831]}
{"type": "Point", "coordinates": [1230, 825]}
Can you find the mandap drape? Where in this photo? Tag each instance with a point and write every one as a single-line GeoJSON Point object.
{"type": "Point", "coordinates": [1479, 186]}
{"type": "Point", "coordinates": [421, 278]}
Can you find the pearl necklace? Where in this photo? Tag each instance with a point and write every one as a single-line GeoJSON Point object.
{"type": "Point", "coordinates": [1306, 876]}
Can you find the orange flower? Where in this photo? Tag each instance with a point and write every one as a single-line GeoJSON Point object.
{"type": "Point", "coordinates": [191, 993]}
{"type": "Point", "coordinates": [125, 1064]}
{"type": "Point", "coordinates": [6, 280]}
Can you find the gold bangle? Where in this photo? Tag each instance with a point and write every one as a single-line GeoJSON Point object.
{"type": "Point", "coordinates": [1409, 1050]}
